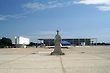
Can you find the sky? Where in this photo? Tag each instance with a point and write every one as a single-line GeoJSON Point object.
{"type": "Point", "coordinates": [41, 18]}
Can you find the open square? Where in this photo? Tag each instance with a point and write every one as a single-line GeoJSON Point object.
{"type": "Point", "coordinates": [87, 59]}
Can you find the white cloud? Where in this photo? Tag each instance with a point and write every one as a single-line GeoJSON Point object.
{"type": "Point", "coordinates": [93, 2]}
{"type": "Point", "coordinates": [7, 17]}
{"type": "Point", "coordinates": [37, 6]}
{"type": "Point", "coordinates": [104, 8]}
{"type": "Point", "coordinates": [103, 5]}
{"type": "Point", "coordinates": [47, 5]}
{"type": "Point", "coordinates": [34, 6]}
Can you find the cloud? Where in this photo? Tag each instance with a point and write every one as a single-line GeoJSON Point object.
{"type": "Point", "coordinates": [104, 8]}
{"type": "Point", "coordinates": [103, 5]}
{"type": "Point", "coordinates": [93, 2]}
{"type": "Point", "coordinates": [33, 6]}
{"type": "Point", "coordinates": [7, 17]}
{"type": "Point", "coordinates": [47, 5]}
{"type": "Point", "coordinates": [2, 18]}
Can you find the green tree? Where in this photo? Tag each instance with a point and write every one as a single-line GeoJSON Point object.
{"type": "Point", "coordinates": [6, 42]}
{"type": "Point", "coordinates": [32, 44]}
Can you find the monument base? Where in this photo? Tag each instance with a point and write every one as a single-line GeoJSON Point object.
{"type": "Point", "coordinates": [57, 53]}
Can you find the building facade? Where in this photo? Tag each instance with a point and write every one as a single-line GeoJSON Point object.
{"type": "Point", "coordinates": [21, 42]}
{"type": "Point", "coordinates": [73, 41]}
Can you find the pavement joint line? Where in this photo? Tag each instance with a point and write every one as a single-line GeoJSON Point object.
{"type": "Point", "coordinates": [63, 69]}
{"type": "Point", "coordinates": [12, 60]}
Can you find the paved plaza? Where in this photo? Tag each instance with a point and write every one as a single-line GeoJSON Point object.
{"type": "Point", "coordinates": [87, 59]}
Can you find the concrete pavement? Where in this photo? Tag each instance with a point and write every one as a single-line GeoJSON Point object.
{"type": "Point", "coordinates": [94, 59]}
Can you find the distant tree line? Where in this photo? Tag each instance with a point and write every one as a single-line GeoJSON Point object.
{"type": "Point", "coordinates": [103, 43]}
{"type": "Point", "coordinates": [5, 42]}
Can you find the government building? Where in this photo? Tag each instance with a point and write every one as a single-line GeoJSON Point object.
{"type": "Point", "coordinates": [71, 41]}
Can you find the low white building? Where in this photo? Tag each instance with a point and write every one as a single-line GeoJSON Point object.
{"type": "Point", "coordinates": [21, 42]}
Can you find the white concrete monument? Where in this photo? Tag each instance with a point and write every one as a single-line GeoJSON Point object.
{"type": "Point", "coordinates": [57, 49]}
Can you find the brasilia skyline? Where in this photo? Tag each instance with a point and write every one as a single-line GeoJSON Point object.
{"type": "Point", "coordinates": [74, 18]}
